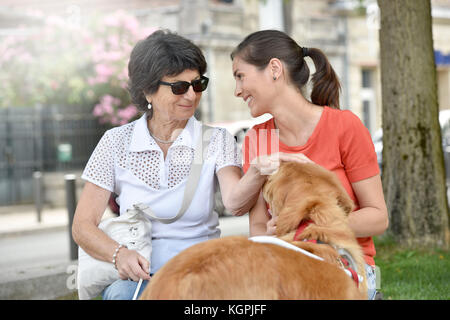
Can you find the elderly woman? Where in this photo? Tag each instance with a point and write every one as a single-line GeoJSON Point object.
{"type": "Point", "coordinates": [148, 161]}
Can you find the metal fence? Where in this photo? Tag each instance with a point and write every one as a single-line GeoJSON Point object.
{"type": "Point", "coordinates": [42, 138]}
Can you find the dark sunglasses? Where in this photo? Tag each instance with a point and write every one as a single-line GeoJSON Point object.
{"type": "Point", "coordinates": [181, 87]}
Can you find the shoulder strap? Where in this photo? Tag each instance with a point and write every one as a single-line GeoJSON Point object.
{"type": "Point", "coordinates": [193, 179]}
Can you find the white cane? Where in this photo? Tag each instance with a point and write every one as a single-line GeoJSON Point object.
{"type": "Point", "coordinates": [137, 289]}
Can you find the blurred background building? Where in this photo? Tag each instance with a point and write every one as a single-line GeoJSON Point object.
{"type": "Point", "coordinates": [346, 30]}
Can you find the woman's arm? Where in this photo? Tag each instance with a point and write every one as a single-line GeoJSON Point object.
{"type": "Point", "coordinates": [372, 217]}
{"type": "Point", "coordinates": [259, 221]}
{"type": "Point", "coordinates": [91, 206]}
{"type": "Point", "coordinates": [239, 193]}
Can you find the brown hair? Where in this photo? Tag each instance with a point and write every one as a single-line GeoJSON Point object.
{"type": "Point", "coordinates": [261, 46]}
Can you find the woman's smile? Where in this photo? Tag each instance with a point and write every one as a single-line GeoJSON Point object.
{"type": "Point", "coordinates": [186, 105]}
{"type": "Point", "coordinates": [248, 99]}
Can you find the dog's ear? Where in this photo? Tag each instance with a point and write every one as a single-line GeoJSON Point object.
{"type": "Point", "coordinates": [293, 212]}
{"type": "Point", "coordinates": [288, 220]}
{"type": "Point", "coordinates": [338, 191]}
{"type": "Point", "coordinates": [344, 201]}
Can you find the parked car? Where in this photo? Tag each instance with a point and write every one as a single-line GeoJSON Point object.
{"type": "Point", "coordinates": [444, 121]}
{"type": "Point", "coordinates": [238, 129]}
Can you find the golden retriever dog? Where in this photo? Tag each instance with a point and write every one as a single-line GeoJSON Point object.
{"type": "Point", "coordinates": [301, 195]}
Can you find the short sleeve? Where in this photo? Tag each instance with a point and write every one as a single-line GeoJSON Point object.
{"type": "Point", "coordinates": [227, 152]}
{"type": "Point", "coordinates": [357, 149]}
{"type": "Point", "coordinates": [100, 168]}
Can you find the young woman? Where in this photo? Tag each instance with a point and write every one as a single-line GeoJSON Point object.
{"type": "Point", "coordinates": [271, 76]}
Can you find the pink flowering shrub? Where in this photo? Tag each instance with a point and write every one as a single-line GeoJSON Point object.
{"type": "Point", "coordinates": [109, 110]}
{"type": "Point", "coordinates": [119, 33]}
{"type": "Point", "coordinates": [69, 64]}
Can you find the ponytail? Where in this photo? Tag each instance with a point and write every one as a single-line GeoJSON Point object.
{"type": "Point", "coordinates": [326, 86]}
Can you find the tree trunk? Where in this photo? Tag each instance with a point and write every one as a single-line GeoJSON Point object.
{"type": "Point", "coordinates": [413, 166]}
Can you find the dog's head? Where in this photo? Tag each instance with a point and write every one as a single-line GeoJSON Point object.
{"type": "Point", "coordinates": [304, 191]}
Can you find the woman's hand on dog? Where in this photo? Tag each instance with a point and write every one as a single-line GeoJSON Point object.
{"type": "Point", "coordinates": [131, 265]}
{"type": "Point", "coordinates": [268, 164]}
{"type": "Point", "coordinates": [294, 157]}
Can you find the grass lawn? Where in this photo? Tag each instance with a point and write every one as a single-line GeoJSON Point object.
{"type": "Point", "coordinates": [420, 274]}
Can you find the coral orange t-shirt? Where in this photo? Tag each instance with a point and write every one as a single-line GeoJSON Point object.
{"type": "Point", "coordinates": [340, 143]}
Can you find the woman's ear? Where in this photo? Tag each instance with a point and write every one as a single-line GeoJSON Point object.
{"type": "Point", "coordinates": [275, 68]}
{"type": "Point", "coordinates": [148, 97]}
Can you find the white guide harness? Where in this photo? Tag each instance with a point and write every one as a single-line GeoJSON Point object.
{"type": "Point", "coordinates": [284, 244]}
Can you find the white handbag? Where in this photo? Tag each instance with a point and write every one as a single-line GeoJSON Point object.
{"type": "Point", "coordinates": [134, 230]}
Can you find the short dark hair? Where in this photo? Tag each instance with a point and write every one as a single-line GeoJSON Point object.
{"type": "Point", "coordinates": [261, 46]}
{"type": "Point", "coordinates": [162, 53]}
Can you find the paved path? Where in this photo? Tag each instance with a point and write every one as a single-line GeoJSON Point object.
{"type": "Point", "coordinates": [25, 242]}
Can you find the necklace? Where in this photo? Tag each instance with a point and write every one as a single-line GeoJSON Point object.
{"type": "Point", "coordinates": [160, 140]}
